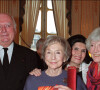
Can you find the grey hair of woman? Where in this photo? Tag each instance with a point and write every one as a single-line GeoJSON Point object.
{"type": "Point", "coordinates": [54, 39]}
{"type": "Point", "coordinates": [94, 36]}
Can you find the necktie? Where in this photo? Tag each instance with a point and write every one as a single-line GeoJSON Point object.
{"type": "Point", "coordinates": [5, 61]}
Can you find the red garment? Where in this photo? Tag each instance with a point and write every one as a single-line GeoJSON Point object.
{"type": "Point", "coordinates": [93, 78]}
{"type": "Point", "coordinates": [71, 79]}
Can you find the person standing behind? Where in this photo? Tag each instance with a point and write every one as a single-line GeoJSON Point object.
{"type": "Point", "coordinates": [93, 45]}
{"type": "Point", "coordinates": [21, 60]}
{"type": "Point", "coordinates": [39, 46]}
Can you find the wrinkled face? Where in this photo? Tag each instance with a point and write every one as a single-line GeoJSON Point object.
{"type": "Point", "coordinates": [7, 31]}
{"type": "Point", "coordinates": [54, 56]}
{"type": "Point", "coordinates": [78, 53]}
{"type": "Point", "coordinates": [95, 51]}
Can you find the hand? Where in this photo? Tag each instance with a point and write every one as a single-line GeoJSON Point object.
{"type": "Point", "coordinates": [35, 72]}
{"type": "Point", "coordinates": [61, 87]}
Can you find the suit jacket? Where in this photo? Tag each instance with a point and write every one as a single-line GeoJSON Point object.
{"type": "Point", "coordinates": [22, 62]}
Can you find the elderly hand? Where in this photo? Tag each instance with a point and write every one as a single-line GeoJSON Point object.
{"type": "Point", "coordinates": [61, 87]}
{"type": "Point", "coordinates": [35, 72]}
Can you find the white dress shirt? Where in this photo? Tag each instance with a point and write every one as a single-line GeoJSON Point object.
{"type": "Point", "coordinates": [9, 52]}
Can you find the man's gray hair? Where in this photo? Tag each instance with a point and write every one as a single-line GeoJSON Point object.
{"type": "Point", "coordinates": [13, 22]}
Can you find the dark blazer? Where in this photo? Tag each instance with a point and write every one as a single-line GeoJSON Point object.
{"type": "Point", "coordinates": [22, 62]}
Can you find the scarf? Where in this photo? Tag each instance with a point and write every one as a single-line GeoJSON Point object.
{"type": "Point", "coordinates": [93, 78]}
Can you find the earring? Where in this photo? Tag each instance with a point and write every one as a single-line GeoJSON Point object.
{"type": "Point", "coordinates": [89, 54]}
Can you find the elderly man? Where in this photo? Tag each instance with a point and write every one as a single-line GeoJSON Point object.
{"type": "Point", "coordinates": [16, 61]}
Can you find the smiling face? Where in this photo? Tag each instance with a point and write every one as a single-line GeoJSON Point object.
{"type": "Point", "coordinates": [95, 51]}
{"type": "Point", "coordinates": [78, 53]}
{"type": "Point", "coordinates": [7, 32]}
{"type": "Point", "coordinates": [54, 56]}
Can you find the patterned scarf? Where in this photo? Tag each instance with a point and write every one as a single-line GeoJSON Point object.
{"type": "Point", "coordinates": [93, 78]}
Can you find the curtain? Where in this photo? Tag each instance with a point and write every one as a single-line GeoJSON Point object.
{"type": "Point", "coordinates": [61, 22]}
{"type": "Point", "coordinates": [30, 20]}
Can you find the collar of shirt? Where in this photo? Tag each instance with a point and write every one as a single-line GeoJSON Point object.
{"type": "Point", "coordinates": [10, 50]}
{"type": "Point", "coordinates": [1, 54]}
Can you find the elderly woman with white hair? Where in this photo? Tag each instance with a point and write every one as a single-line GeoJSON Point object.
{"type": "Point", "coordinates": [93, 74]}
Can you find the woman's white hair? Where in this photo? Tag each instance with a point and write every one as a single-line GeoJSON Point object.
{"type": "Point", "coordinates": [94, 36]}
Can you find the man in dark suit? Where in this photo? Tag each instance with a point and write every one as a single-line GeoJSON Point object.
{"type": "Point", "coordinates": [21, 59]}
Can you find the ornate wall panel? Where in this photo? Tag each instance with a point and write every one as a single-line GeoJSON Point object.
{"type": "Point", "coordinates": [85, 16]}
